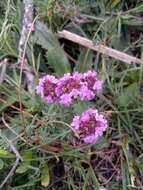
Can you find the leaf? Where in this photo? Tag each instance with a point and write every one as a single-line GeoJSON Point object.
{"type": "Point", "coordinates": [57, 61]}
{"type": "Point", "coordinates": [94, 178]}
{"type": "Point", "coordinates": [27, 156]}
{"type": "Point", "coordinates": [1, 164]}
{"type": "Point", "coordinates": [45, 177]}
{"type": "Point", "coordinates": [128, 95]}
{"type": "Point", "coordinates": [22, 168]}
{"type": "Point", "coordinates": [56, 56]}
{"type": "Point", "coordinates": [121, 41]}
{"type": "Point", "coordinates": [5, 154]}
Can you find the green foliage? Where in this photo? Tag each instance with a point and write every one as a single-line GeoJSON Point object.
{"type": "Point", "coordinates": [129, 95]}
{"type": "Point", "coordinates": [45, 178]}
{"type": "Point", "coordinates": [1, 164]}
{"type": "Point", "coordinates": [56, 56]}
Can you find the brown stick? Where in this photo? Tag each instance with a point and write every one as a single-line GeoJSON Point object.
{"type": "Point", "coordinates": [100, 48]}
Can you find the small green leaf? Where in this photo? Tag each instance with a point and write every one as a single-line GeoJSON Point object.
{"type": "Point", "coordinates": [22, 168]}
{"type": "Point", "coordinates": [45, 177]}
{"type": "Point", "coordinates": [128, 95]}
{"type": "Point", "coordinates": [58, 61]}
{"type": "Point", "coordinates": [1, 164]}
{"type": "Point", "coordinates": [27, 156]}
{"type": "Point", "coordinates": [5, 154]}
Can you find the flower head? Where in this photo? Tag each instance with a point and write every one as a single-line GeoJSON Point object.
{"type": "Point", "coordinates": [46, 88]}
{"type": "Point", "coordinates": [68, 88]}
{"type": "Point", "coordinates": [93, 84]}
{"type": "Point", "coordinates": [89, 126]}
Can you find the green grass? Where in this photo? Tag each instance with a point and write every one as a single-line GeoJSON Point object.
{"type": "Point", "coordinates": [47, 146]}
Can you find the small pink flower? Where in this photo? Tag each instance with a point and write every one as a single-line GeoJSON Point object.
{"type": "Point", "coordinates": [66, 100]}
{"type": "Point", "coordinates": [68, 88]}
{"type": "Point", "coordinates": [86, 94]}
{"type": "Point", "coordinates": [90, 78]}
{"type": "Point", "coordinates": [46, 89]}
{"type": "Point", "coordinates": [89, 126]}
{"type": "Point", "coordinates": [98, 85]}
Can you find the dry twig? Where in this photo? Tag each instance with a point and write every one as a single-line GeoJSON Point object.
{"type": "Point", "coordinates": [26, 27]}
{"type": "Point", "coordinates": [13, 131]}
{"type": "Point", "coordinates": [100, 48]}
{"type": "Point", "coordinates": [3, 64]}
{"type": "Point", "coordinates": [18, 158]}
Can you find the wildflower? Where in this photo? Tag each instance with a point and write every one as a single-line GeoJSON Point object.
{"type": "Point", "coordinates": [90, 86]}
{"type": "Point", "coordinates": [46, 89]}
{"type": "Point", "coordinates": [68, 88]}
{"type": "Point", "coordinates": [90, 78]}
{"type": "Point", "coordinates": [89, 126]}
{"type": "Point", "coordinates": [85, 93]}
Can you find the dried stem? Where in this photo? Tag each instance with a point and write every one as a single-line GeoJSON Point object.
{"type": "Point", "coordinates": [3, 64]}
{"type": "Point", "coordinates": [10, 173]}
{"type": "Point", "coordinates": [13, 131]}
{"type": "Point", "coordinates": [27, 26]}
{"type": "Point", "coordinates": [18, 158]}
{"type": "Point", "coordinates": [15, 108]}
{"type": "Point", "coordinates": [100, 48]}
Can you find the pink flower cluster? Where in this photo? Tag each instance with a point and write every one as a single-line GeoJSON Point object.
{"type": "Point", "coordinates": [65, 90]}
{"type": "Point", "coordinates": [84, 86]}
{"type": "Point", "coordinates": [89, 126]}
